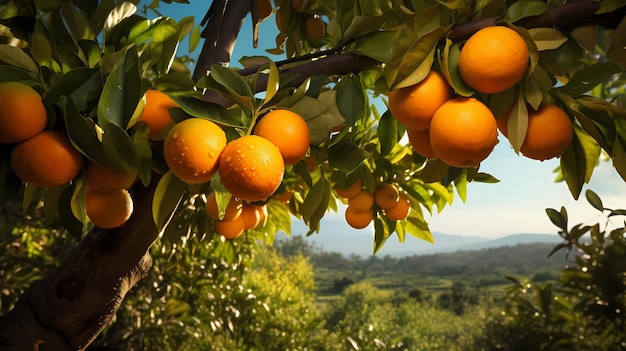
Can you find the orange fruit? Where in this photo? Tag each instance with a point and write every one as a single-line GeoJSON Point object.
{"type": "Point", "coordinates": [253, 215]}
{"type": "Point", "coordinates": [401, 210]}
{"type": "Point", "coordinates": [420, 142]}
{"type": "Point", "coordinates": [251, 168]}
{"type": "Point", "coordinates": [288, 131]}
{"type": "Point", "coordinates": [284, 197]}
{"type": "Point", "coordinates": [386, 195]}
{"type": "Point", "coordinates": [109, 209]}
{"type": "Point", "coordinates": [192, 149]}
{"type": "Point", "coordinates": [22, 114]}
{"type": "Point", "coordinates": [549, 132]}
{"type": "Point", "coordinates": [314, 27]}
{"type": "Point", "coordinates": [414, 106]}
{"type": "Point", "coordinates": [265, 8]}
{"type": "Point", "coordinates": [362, 202]}
{"type": "Point", "coordinates": [351, 191]}
{"type": "Point", "coordinates": [232, 211]}
{"type": "Point", "coordinates": [463, 132]}
{"type": "Point", "coordinates": [230, 229]}
{"type": "Point", "coordinates": [47, 160]}
{"type": "Point", "coordinates": [104, 178]}
{"type": "Point", "coordinates": [156, 112]}
{"type": "Point", "coordinates": [358, 219]}
{"type": "Point", "coordinates": [493, 59]}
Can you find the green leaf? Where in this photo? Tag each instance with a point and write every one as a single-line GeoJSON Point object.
{"type": "Point", "coordinates": [594, 200]}
{"type": "Point", "coordinates": [167, 197]}
{"type": "Point", "coordinates": [232, 85]}
{"type": "Point", "coordinates": [574, 166]}
{"type": "Point", "coordinates": [607, 6]}
{"type": "Point", "coordinates": [118, 14]}
{"type": "Point", "coordinates": [588, 78]}
{"type": "Point", "coordinates": [460, 183]}
{"type": "Point", "coordinates": [450, 69]}
{"type": "Point", "coordinates": [83, 132]}
{"type": "Point", "coordinates": [387, 133]}
{"type": "Point", "coordinates": [517, 125]}
{"type": "Point", "coordinates": [66, 216]}
{"type": "Point", "coordinates": [197, 107]}
{"type": "Point", "coordinates": [273, 82]}
{"type": "Point", "coordinates": [347, 157]}
{"type": "Point", "coordinates": [410, 66]}
{"type": "Point", "coordinates": [194, 38]}
{"type": "Point", "coordinates": [619, 158]}
{"type": "Point", "coordinates": [82, 85]}
{"type": "Point", "coordinates": [525, 8]}
{"type": "Point", "coordinates": [16, 57]}
{"type": "Point", "coordinates": [164, 43]}
{"type": "Point", "coordinates": [547, 38]}
{"type": "Point", "coordinates": [120, 150]}
{"type": "Point", "coordinates": [316, 202]}
{"type": "Point", "coordinates": [14, 74]}
{"type": "Point", "coordinates": [381, 234]}
{"type": "Point", "coordinates": [377, 45]}
{"type": "Point", "coordinates": [121, 92]}
{"type": "Point", "coordinates": [351, 99]}
{"type": "Point", "coordinates": [417, 227]}
{"type": "Point", "coordinates": [559, 219]}
{"type": "Point", "coordinates": [591, 150]}
{"type": "Point", "coordinates": [485, 178]}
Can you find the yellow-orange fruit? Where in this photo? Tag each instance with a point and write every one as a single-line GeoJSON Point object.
{"type": "Point", "coordinates": [22, 114]}
{"type": "Point", "coordinates": [251, 168]}
{"type": "Point", "coordinates": [463, 132]}
{"type": "Point", "coordinates": [493, 59]}
{"type": "Point", "coordinates": [47, 160]}
{"type": "Point", "coordinates": [156, 112]}
{"type": "Point", "coordinates": [420, 142]}
{"type": "Point", "coordinates": [253, 215]}
{"type": "Point", "coordinates": [362, 202]}
{"type": "Point", "coordinates": [549, 132]}
{"type": "Point", "coordinates": [230, 229]}
{"type": "Point", "coordinates": [288, 131]}
{"type": "Point", "coordinates": [232, 211]}
{"type": "Point", "coordinates": [414, 106]}
{"type": "Point", "coordinates": [104, 178]}
{"type": "Point", "coordinates": [358, 219]}
{"type": "Point", "coordinates": [401, 210]}
{"type": "Point", "coordinates": [386, 195]}
{"type": "Point", "coordinates": [351, 191]}
{"type": "Point", "coordinates": [192, 149]}
{"type": "Point", "coordinates": [109, 209]}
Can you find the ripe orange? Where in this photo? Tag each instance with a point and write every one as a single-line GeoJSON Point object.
{"type": "Point", "coordinates": [493, 59]}
{"type": "Point", "coordinates": [351, 191]}
{"type": "Point", "coordinates": [253, 215]}
{"type": "Point", "coordinates": [22, 114]}
{"type": "Point", "coordinates": [401, 210]}
{"type": "Point", "coordinates": [362, 202]}
{"type": "Point", "coordinates": [463, 132]}
{"type": "Point", "coordinates": [358, 219]}
{"type": "Point", "coordinates": [109, 209]}
{"type": "Point", "coordinates": [386, 195]}
{"type": "Point", "coordinates": [414, 106]}
{"type": "Point", "coordinates": [156, 112]}
{"type": "Point", "coordinates": [192, 149]}
{"type": "Point", "coordinates": [420, 142]}
{"type": "Point", "coordinates": [232, 211]}
{"type": "Point", "coordinates": [47, 160]}
{"type": "Point", "coordinates": [288, 131]}
{"type": "Point", "coordinates": [314, 27]}
{"type": "Point", "coordinates": [549, 132]}
{"type": "Point", "coordinates": [104, 178]}
{"type": "Point", "coordinates": [251, 168]}
{"type": "Point", "coordinates": [230, 229]}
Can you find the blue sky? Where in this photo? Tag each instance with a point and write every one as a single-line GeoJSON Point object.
{"type": "Point", "coordinates": [515, 205]}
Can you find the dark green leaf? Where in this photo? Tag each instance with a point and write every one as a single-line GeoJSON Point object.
{"type": "Point", "coordinates": [485, 178]}
{"type": "Point", "coordinates": [167, 196]}
{"type": "Point", "coordinates": [121, 92]}
{"type": "Point", "coordinates": [594, 200]}
{"type": "Point", "coordinates": [557, 218]}
{"type": "Point", "coordinates": [14, 74]}
{"type": "Point", "coordinates": [347, 157]}
{"type": "Point", "coordinates": [66, 216]}
{"type": "Point", "coordinates": [233, 85]}
{"type": "Point", "coordinates": [197, 107]}
{"type": "Point", "coordinates": [588, 78]}
{"type": "Point", "coordinates": [377, 45]}
{"type": "Point", "coordinates": [164, 42]}
{"type": "Point", "coordinates": [381, 234]}
{"type": "Point", "coordinates": [83, 132]}
{"type": "Point", "coordinates": [351, 99]}
{"type": "Point", "coordinates": [119, 148]}
{"type": "Point", "coordinates": [607, 6]}
{"type": "Point", "coordinates": [387, 132]}
{"type": "Point", "coordinates": [525, 8]}
{"type": "Point", "coordinates": [82, 85]}
{"type": "Point", "coordinates": [16, 57]}
{"type": "Point", "coordinates": [316, 202]}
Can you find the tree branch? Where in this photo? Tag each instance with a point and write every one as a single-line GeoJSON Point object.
{"type": "Point", "coordinates": [563, 17]}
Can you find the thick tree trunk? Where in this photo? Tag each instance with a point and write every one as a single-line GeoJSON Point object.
{"type": "Point", "coordinates": [71, 306]}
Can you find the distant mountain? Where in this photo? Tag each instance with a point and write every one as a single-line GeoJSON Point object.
{"type": "Point", "coordinates": [337, 236]}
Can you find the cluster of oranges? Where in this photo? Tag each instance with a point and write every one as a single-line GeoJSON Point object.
{"type": "Point", "coordinates": [250, 167]}
{"type": "Point", "coordinates": [462, 131]}
{"type": "Point", "coordinates": [47, 158]}
{"type": "Point", "coordinates": [237, 217]}
{"type": "Point", "coordinates": [361, 203]}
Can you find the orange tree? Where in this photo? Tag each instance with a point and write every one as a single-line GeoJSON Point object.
{"type": "Point", "coordinates": [93, 63]}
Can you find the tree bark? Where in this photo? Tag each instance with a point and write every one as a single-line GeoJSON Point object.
{"type": "Point", "coordinates": [70, 307]}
